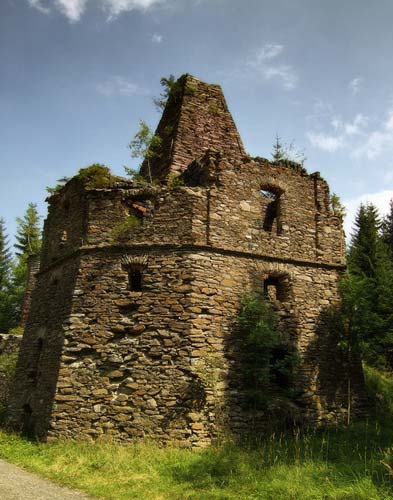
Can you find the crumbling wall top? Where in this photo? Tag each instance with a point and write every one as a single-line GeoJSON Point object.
{"type": "Point", "coordinates": [196, 118]}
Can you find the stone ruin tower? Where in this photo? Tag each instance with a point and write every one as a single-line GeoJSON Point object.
{"type": "Point", "coordinates": [132, 328]}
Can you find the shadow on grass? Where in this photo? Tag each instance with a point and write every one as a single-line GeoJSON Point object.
{"type": "Point", "coordinates": [333, 462]}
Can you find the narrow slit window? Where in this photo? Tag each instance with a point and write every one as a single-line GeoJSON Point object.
{"type": "Point", "coordinates": [270, 210]}
{"type": "Point", "coordinates": [135, 280]}
{"type": "Point", "coordinates": [34, 372]}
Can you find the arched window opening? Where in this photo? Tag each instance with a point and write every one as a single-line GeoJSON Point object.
{"type": "Point", "coordinates": [270, 210]}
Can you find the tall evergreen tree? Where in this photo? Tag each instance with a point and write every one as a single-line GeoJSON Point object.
{"type": "Point", "coordinates": [364, 248]}
{"type": "Point", "coordinates": [5, 257]}
{"type": "Point", "coordinates": [387, 229]}
{"type": "Point", "coordinates": [368, 291]}
{"type": "Point", "coordinates": [28, 242]}
{"type": "Point", "coordinates": [5, 281]}
{"type": "Point", "coordinates": [28, 233]}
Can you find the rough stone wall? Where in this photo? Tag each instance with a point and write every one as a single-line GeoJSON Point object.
{"type": "Point", "coordinates": [33, 265]}
{"type": "Point", "coordinates": [36, 379]}
{"type": "Point", "coordinates": [9, 347]}
{"type": "Point", "coordinates": [132, 324]}
{"type": "Point", "coordinates": [195, 120]}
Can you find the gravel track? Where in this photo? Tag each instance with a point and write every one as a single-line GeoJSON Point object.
{"type": "Point", "coordinates": [17, 484]}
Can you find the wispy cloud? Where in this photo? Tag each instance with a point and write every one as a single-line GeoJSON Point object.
{"type": "Point", "coordinates": [36, 4]}
{"type": "Point", "coordinates": [268, 51]}
{"type": "Point", "coordinates": [117, 7]}
{"type": "Point", "coordinates": [156, 38]}
{"type": "Point", "coordinates": [73, 10]}
{"type": "Point", "coordinates": [380, 199]}
{"type": "Point", "coordinates": [325, 142]}
{"type": "Point", "coordinates": [342, 132]}
{"type": "Point", "coordinates": [262, 63]}
{"type": "Point", "coordinates": [378, 141]}
{"type": "Point", "coordinates": [118, 85]}
{"type": "Point", "coordinates": [355, 84]}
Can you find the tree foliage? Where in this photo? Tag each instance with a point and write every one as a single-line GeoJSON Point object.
{"type": "Point", "coordinates": [28, 233]}
{"type": "Point", "coordinates": [269, 363]}
{"type": "Point", "coordinates": [365, 243]}
{"type": "Point", "coordinates": [387, 229]}
{"type": "Point", "coordinates": [13, 272]}
{"type": "Point", "coordinates": [337, 207]}
{"type": "Point", "coordinates": [367, 290]}
{"type": "Point", "coordinates": [5, 280]}
{"type": "Point", "coordinates": [168, 84]}
{"type": "Point", "coordinates": [283, 151]}
{"type": "Point", "coordinates": [145, 146]}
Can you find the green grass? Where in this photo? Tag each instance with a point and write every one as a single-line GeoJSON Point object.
{"type": "Point", "coordinates": [339, 463]}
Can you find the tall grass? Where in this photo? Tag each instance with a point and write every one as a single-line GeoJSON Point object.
{"type": "Point", "coordinates": [340, 463]}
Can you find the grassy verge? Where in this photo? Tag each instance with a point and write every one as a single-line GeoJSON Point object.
{"type": "Point", "coordinates": [336, 463]}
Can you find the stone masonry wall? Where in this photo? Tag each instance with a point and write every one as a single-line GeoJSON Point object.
{"type": "Point", "coordinates": [132, 329]}
{"type": "Point", "coordinates": [163, 363]}
{"type": "Point", "coordinates": [195, 119]}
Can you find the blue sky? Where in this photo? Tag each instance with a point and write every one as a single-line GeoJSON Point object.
{"type": "Point", "coordinates": [77, 75]}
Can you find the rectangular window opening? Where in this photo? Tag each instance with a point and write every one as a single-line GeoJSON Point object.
{"type": "Point", "coordinates": [135, 280]}
{"type": "Point", "coordinates": [276, 288]}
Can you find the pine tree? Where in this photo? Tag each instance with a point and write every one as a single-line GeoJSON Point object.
{"type": "Point", "coordinates": [387, 229]}
{"type": "Point", "coordinates": [283, 151]}
{"type": "Point", "coordinates": [5, 257]}
{"type": "Point", "coordinates": [365, 242]}
{"type": "Point", "coordinates": [28, 233]}
{"type": "Point", "coordinates": [28, 242]}
{"type": "Point", "coordinates": [6, 313]}
{"type": "Point", "coordinates": [368, 291]}
{"type": "Point", "coordinates": [278, 153]}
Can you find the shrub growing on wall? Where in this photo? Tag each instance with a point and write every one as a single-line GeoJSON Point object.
{"type": "Point", "coordinates": [269, 363]}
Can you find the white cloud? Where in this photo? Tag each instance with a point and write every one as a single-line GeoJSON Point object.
{"type": "Point", "coordinates": [38, 5]}
{"type": "Point", "coordinates": [118, 85]}
{"type": "Point", "coordinates": [262, 64]}
{"type": "Point", "coordinates": [117, 7]}
{"type": "Point", "coordinates": [269, 51]}
{"type": "Point", "coordinates": [355, 84]}
{"type": "Point", "coordinates": [356, 127]}
{"type": "Point", "coordinates": [380, 199]}
{"type": "Point", "coordinates": [74, 9]}
{"type": "Point", "coordinates": [377, 141]}
{"type": "Point", "coordinates": [284, 73]}
{"type": "Point", "coordinates": [343, 132]}
{"type": "Point", "coordinates": [325, 142]}
{"type": "Point", "coordinates": [156, 38]}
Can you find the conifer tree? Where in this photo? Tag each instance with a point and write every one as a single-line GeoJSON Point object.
{"type": "Point", "coordinates": [5, 257]}
{"type": "Point", "coordinates": [387, 229]}
{"type": "Point", "coordinates": [364, 248]}
{"type": "Point", "coordinates": [368, 290]}
{"type": "Point", "coordinates": [5, 281]}
{"type": "Point", "coordinates": [28, 242]}
{"type": "Point", "coordinates": [28, 233]}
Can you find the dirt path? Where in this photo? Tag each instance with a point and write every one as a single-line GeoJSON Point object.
{"type": "Point", "coordinates": [17, 484]}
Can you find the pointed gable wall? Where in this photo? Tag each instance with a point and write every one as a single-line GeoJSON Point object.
{"type": "Point", "coordinates": [196, 119]}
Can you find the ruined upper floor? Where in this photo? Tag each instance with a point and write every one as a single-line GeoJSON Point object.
{"type": "Point", "coordinates": [206, 191]}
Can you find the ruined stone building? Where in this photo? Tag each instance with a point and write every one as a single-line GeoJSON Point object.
{"type": "Point", "coordinates": [132, 330]}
